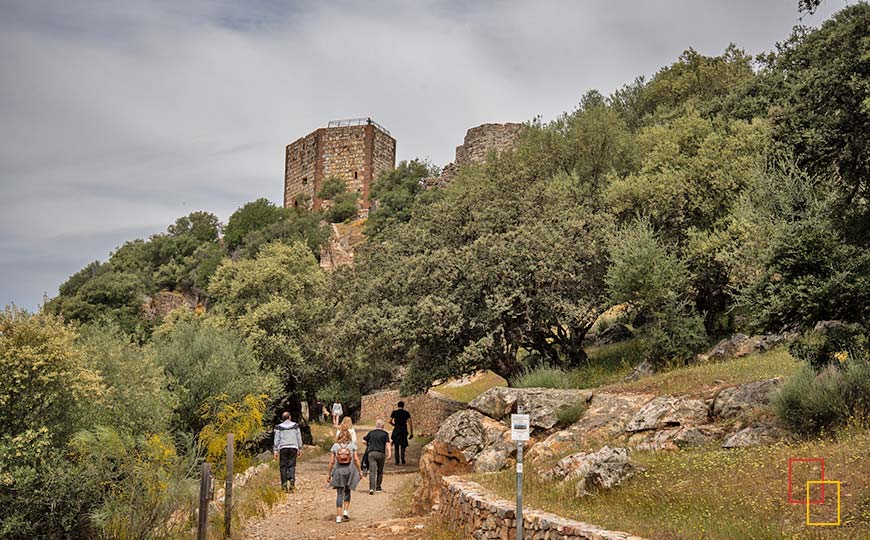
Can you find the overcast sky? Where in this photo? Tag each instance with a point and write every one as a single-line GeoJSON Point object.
{"type": "Point", "coordinates": [116, 117]}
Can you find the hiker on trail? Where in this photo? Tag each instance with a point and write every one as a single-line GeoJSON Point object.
{"type": "Point", "coordinates": [286, 448]}
{"type": "Point", "coordinates": [337, 411]}
{"type": "Point", "coordinates": [324, 413]}
{"type": "Point", "coordinates": [378, 449]}
{"type": "Point", "coordinates": [347, 424]}
{"type": "Point", "coordinates": [403, 429]}
{"type": "Point", "coordinates": [344, 473]}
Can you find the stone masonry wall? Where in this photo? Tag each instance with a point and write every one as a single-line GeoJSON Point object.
{"type": "Point", "coordinates": [467, 507]}
{"type": "Point", "coordinates": [355, 153]}
{"type": "Point", "coordinates": [479, 141]}
{"type": "Point", "coordinates": [300, 160]}
{"type": "Point", "coordinates": [428, 411]}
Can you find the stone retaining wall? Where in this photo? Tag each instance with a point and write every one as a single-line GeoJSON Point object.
{"type": "Point", "coordinates": [466, 506]}
{"type": "Point", "coordinates": [428, 411]}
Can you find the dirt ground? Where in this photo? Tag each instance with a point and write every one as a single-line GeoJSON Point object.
{"type": "Point", "coordinates": [309, 512]}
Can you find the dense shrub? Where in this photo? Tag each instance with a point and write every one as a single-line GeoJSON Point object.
{"type": "Point", "coordinates": [811, 403]}
{"type": "Point", "coordinates": [830, 344]}
{"type": "Point", "coordinates": [542, 376]}
{"type": "Point", "coordinates": [568, 414]}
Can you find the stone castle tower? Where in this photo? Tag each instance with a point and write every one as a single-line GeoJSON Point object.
{"type": "Point", "coordinates": [356, 151]}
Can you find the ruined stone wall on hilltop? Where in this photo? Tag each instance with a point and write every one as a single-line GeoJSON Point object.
{"type": "Point", "coordinates": [478, 143]}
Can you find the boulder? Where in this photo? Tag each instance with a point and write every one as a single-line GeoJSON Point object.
{"type": "Point", "coordinates": [604, 419]}
{"type": "Point", "coordinates": [593, 472]}
{"type": "Point", "coordinates": [438, 459]}
{"type": "Point", "coordinates": [472, 433]}
{"type": "Point", "coordinates": [757, 434]}
{"type": "Point", "coordinates": [738, 400]}
{"type": "Point", "coordinates": [541, 404]}
{"type": "Point", "coordinates": [614, 333]}
{"type": "Point", "coordinates": [668, 411]}
{"type": "Point", "coordinates": [725, 349]}
{"type": "Point", "coordinates": [643, 369]}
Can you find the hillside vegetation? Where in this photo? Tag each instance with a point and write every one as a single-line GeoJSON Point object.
{"type": "Point", "coordinates": [724, 193]}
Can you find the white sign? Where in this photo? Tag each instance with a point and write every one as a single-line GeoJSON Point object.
{"type": "Point", "coordinates": [519, 427]}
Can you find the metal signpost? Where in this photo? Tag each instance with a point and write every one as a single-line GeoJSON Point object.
{"type": "Point", "coordinates": [520, 433]}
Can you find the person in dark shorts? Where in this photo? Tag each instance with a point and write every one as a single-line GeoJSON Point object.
{"type": "Point", "coordinates": [403, 430]}
{"type": "Point", "coordinates": [378, 448]}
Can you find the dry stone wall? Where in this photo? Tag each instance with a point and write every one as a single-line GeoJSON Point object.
{"type": "Point", "coordinates": [428, 411]}
{"type": "Point", "coordinates": [467, 507]}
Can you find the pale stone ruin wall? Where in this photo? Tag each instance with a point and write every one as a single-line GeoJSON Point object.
{"type": "Point", "coordinates": [479, 142]}
{"type": "Point", "coordinates": [428, 411]}
{"type": "Point", "coordinates": [357, 154]}
{"type": "Point", "coordinates": [466, 507]}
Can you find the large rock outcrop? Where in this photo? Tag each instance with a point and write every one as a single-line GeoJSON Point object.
{"type": "Point", "coordinates": [738, 400]}
{"type": "Point", "coordinates": [604, 419]}
{"type": "Point", "coordinates": [669, 411]}
{"type": "Point", "coordinates": [541, 404]}
{"type": "Point", "coordinates": [594, 471]}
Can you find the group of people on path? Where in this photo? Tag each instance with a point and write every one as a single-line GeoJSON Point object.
{"type": "Point", "coordinates": [345, 464]}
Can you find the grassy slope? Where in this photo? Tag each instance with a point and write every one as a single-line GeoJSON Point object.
{"type": "Point", "coordinates": [712, 493]}
{"type": "Point", "coordinates": [717, 494]}
{"type": "Point", "coordinates": [470, 391]}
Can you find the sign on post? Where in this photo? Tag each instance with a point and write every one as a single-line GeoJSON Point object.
{"type": "Point", "coordinates": [519, 427]}
{"type": "Point", "coordinates": [520, 434]}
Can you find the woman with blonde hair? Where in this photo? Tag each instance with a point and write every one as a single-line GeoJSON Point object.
{"type": "Point", "coordinates": [345, 472]}
{"type": "Point", "coordinates": [347, 424]}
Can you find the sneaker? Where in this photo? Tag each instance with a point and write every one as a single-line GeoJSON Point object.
{"type": "Point", "coordinates": [338, 519]}
{"type": "Point", "coordinates": [379, 490]}
{"type": "Point", "coordinates": [346, 515]}
{"type": "Point", "coordinates": [371, 492]}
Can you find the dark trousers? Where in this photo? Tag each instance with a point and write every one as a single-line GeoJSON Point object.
{"type": "Point", "coordinates": [376, 470]}
{"type": "Point", "coordinates": [400, 453]}
{"type": "Point", "coordinates": [287, 465]}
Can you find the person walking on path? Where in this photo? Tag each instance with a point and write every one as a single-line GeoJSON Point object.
{"type": "Point", "coordinates": [378, 448]}
{"type": "Point", "coordinates": [287, 446]}
{"type": "Point", "coordinates": [344, 473]}
{"type": "Point", "coordinates": [337, 411]}
{"type": "Point", "coordinates": [403, 430]}
{"type": "Point", "coordinates": [347, 424]}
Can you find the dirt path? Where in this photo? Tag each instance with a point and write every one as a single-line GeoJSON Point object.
{"type": "Point", "coordinates": [309, 513]}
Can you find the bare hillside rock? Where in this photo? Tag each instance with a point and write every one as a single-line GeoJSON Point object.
{"type": "Point", "coordinates": [595, 471]}
{"type": "Point", "coordinates": [757, 434]}
{"type": "Point", "coordinates": [669, 411]}
{"type": "Point", "coordinates": [738, 400]}
{"type": "Point", "coordinates": [541, 404]}
{"type": "Point", "coordinates": [604, 419]}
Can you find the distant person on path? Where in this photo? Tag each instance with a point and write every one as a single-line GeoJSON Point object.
{"type": "Point", "coordinates": [378, 448]}
{"type": "Point", "coordinates": [345, 473]}
{"type": "Point", "coordinates": [286, 447]}
{"type": "Point", "coordinates": [403, 430]}
{"type": "Point", "coordinates": [337, 411]}
{"type": "Point", "coordinates": [347, 424]}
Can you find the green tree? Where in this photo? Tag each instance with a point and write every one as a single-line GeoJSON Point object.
{"type": "Point", "coordinates": [396, 192]}
{"type": "Point", "coordinates": [253, 216]}
{"type": "Point", "coordinates": [206, 362]}
{"type": "Point", "coordinates": [136, 397]}
{"type": "Point", "coordinates": [657, 284]}
{"type": "Point", "coordinates": [820, 81]}
{"type": "Point", "coordinates": [501, 262]}
{"type": "Point", "coordinates": [277, 300]}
